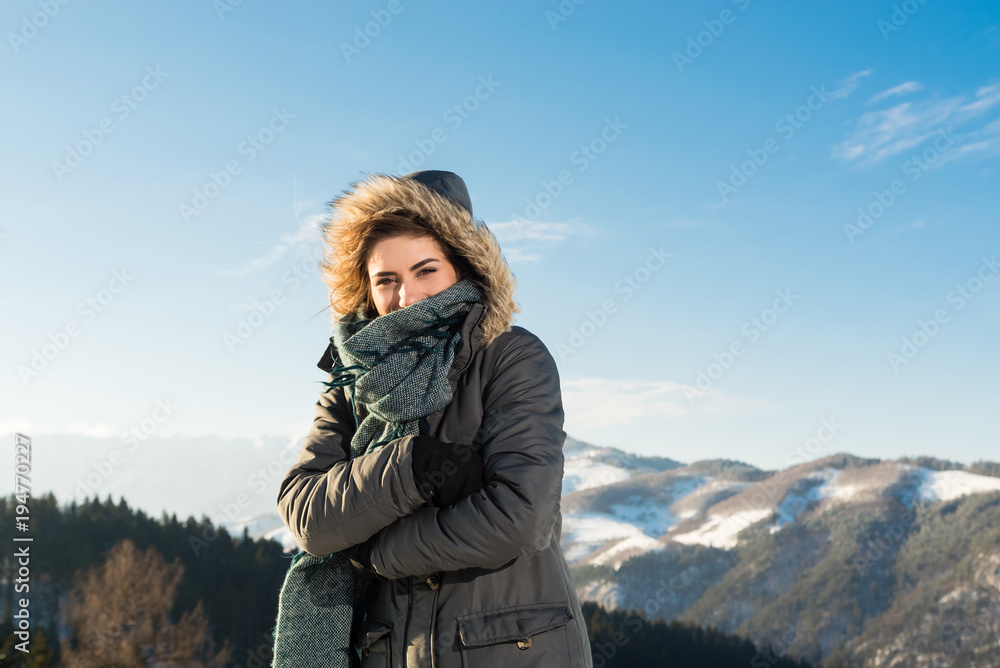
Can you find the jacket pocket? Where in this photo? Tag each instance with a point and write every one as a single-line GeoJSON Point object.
{"type": "Point", "coordinates": [533, 635]}
{"type": "Point", "coordinates": [373, 641]}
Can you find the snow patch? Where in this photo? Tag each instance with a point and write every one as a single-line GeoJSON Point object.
{"type": "Point", "coordinates": [584, 473]}
{"type": "Point", "coordinates": [948, 485]}
{"type": "Point", "coordinates": [588, 532]}
{"type": "Point", "coordinates": [651, 518]}
{"type": "Point", "coordinates": [807, 492]}
{"type": "Point", "coordinates": [632, 545]}
{"type": "Point", "coordinates": [631, 527]}
{"type": "Point", "coordinates": [833, 487]}
{"type": "Point", "coordinates": [689, 505]}
{"type": "Point", "coordinates": [721, 530]}
{"type": "Point", "coordinates": [269, 526]}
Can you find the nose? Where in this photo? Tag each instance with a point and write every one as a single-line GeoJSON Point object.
{"type": "Point", "coordinates": [407, 296]}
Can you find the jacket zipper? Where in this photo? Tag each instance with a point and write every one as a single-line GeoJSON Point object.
{"type": "Point", "coordinates": [434, 614]}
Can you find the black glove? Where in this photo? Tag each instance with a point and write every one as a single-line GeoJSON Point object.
{"type": "Point", "coordinates": [360, 558]}
{"type": "Point", "coordinates": [446, 472]}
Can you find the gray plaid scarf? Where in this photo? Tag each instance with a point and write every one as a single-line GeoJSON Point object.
{"type": "Point", "coordinates": [397, 366]}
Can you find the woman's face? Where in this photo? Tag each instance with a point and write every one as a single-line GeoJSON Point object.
{"type": "Point", "coordinates": [404, 270]}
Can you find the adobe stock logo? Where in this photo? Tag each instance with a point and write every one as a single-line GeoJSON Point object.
{"type": "Point", "coordinates": [915, 167]}
{"type": "Point", "coordinates": [752, 329]}
{"type": "Point", "coordinates": [901, 13]}
{"type": "Point", "coordinates": [381, 18]}
{"type": "Point", "coordinates": [454, 116]}
{"type": "Point", "coordinates": [122, 107]}
{"type": "Point", "coordinates": [696, 44]}
{"type": "Point", "coordinates": [583, 157]}
{"type": "Point", "coordinates": [251, 147]}
{"type": "Point", "coordinates": [628, 285]}
{"type": "Point", "coordinates": [38, 20]}
{"type": "Point", "coordinates": [962, 294]}
{"type": "Point", "coordinates": [59, 340]}
{"type": "Point", "coordinates": [757, 157]}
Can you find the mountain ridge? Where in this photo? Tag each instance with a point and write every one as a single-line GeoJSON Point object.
{"type": "Point", "coordinates": [859, 561]}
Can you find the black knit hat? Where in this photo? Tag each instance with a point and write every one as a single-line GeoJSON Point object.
{"type": "Point", "coordinates": [448, 184]}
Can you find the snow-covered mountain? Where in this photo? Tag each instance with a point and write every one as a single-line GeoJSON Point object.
{"type": "Point", "coordinates": [618, 505]}
{"type": "Point", "coordinates": [842, 559]}
{"type": "Point", "coordinates": [881, 562]}
{"type": "Point", "coordinates": [839, 561]}
{"type": "Point", "coordinates": [587, 466]}
{"type": "Point", "coordinates": [700, 505]}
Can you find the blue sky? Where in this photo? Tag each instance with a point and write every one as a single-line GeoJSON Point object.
{"type": "Point", "coordinates": [738, 226]}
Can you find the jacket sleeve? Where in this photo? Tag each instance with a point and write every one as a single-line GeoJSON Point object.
{"type": "Point", "coordinates": [330, 502]}
{"type": "Point", "coordinates": [516, 510]}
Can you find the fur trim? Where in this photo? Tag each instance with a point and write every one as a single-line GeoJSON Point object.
{"type": "Point", "coordinates": [377, 193]}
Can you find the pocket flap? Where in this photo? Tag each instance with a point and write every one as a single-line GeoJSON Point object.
{"type": "Point", "coordinates": [372, 630]}
{"type": "Point", "coordinates": [518, 624]}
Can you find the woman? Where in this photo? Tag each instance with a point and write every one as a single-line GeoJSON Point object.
{"type": "Point", "coordinates": [449, 508]}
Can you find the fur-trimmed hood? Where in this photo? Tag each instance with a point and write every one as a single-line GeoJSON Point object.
{"type": "Point", "coordinates": [453, 223]}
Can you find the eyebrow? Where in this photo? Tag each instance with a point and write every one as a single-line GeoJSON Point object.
{"type": "Point", "coordinates": [413, 268]}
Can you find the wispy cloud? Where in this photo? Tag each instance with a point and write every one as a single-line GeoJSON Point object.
{"type": "Point", "coordinates": [522, 239]}
{"type": "Point", "coordinates": [905, 228]}
{"type": "Point", "coordinates": [983, 143]}
{"type": "Point", "coordinates": [887, 132]}
{"type": "Point", "coordinates": [307, 237]}
{"type": "Point", "coordinates": [517, 255]}
{"type": "Point", "coordinates": [987, 97]}
{"type": "Point", "coordinates": [594, 403]}
{"type": "Point", "coordinates": [848, 85]}
{"type": "Point", "coordinates": [516, 230]}
{"type": "Point", "coordinates": [901, 89]}
{"type": "Point", "coordinates": [530, 230]}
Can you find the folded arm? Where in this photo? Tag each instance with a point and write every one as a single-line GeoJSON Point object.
{"type": "Point", "coordinates": [330, 502]}
{"type": "Point", "coordinates": [516, 510]}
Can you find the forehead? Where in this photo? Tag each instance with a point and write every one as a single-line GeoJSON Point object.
{"type": "Point", "coordinates": [401, 249]}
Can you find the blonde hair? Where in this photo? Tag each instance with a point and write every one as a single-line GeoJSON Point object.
{"type": "Point", "coordinates": [402, 206]}
{"type": "Point", "coordinates": [345, 262]}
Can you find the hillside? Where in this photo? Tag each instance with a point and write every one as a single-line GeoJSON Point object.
{"type": "Point", "coordinates": [848, 561]}
{"type": "Point", "coordinates": [839, 561]}
{"type": "Point", "coordinates": [217, 567]}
